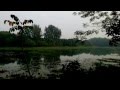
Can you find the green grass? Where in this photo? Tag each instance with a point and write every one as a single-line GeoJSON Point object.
{"type": "Point", "coordinates": [65, 50]}
{"type": "Point", "coordinates": [41, 48]}
{"type": "Point", "coordinates": [55, 48]}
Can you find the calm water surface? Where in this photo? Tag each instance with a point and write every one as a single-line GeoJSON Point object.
{"type": "Point", "coordinates": [42, 65]}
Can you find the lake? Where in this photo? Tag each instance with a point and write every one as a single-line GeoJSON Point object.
{"type": "Point", "coordinates": [44, 64]}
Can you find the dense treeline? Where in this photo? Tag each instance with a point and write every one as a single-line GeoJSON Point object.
{"type": "Point", "coordinates": [51, 37]}
{"type": "Point", "coordinates": [8, 39]}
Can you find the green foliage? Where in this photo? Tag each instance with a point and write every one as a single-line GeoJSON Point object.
{"type": "Point", "coordinates": [36, 34]}
{"type": "Point", "coordinates": [109, 20]}
{"type": "Point", "coordinates": [29, 43]}
{"type": "Point", "coordinates": [6, 39]}
{"type": "Point", "coordinates": [68, 42]}
{"type": "Point", "coordinates": [52, 34]}
{"type": "Point", "coordinates": [82, 35]}
{"type": "Point", "coordinates": [17, 24]}
{"type": "Point", "coordinates": [33, 34]}
{"type": "Point", "coordinates": [20, 26]}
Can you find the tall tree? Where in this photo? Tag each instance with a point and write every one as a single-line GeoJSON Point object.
{"type": "Point", "coordinates": [18, 25]}
{"type": "Point", "coordinates": [52, 34]}
{"type": "Point", "coordinates": [34, 34]}
{"type": "Point", "coordinates": [21, 27]}
{"type": "Point", "coordinates": [37, 33]}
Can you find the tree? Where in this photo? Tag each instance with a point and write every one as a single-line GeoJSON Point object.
{"type": "Point", "coordinates": [34, 34]}
{"type": "Point", "coordinates": [52, 34]}
{"type": "Point", "coordinates": [6, 38]}
{"type": "Point", "coordinates": [18, 25]}
{"type": "Point", "coordinates": [107, 20]}
{"type": "Point", "coordinates": [82, 35]}
{"type": "Point", "coordinates": [37, 34]}
{"type": "Point", "coordinates": [21, 27]}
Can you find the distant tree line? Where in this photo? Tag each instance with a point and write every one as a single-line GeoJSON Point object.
{"type": "Point", "coordinates": [32, 36]}
{"type": "Point", "coordinates": [28, 36]}
{"type": "Point", "coordinates": [102, 42]}
{"type": "Point", "coordinates": [51, 37]}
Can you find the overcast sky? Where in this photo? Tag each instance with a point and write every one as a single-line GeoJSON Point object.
{"type": "Point", "coordinates": [65, 20]}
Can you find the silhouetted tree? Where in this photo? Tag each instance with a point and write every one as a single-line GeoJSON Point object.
{"type": "Point", "coordinates": [18, 25]}
{"type": "Point", "coordinates": [82, 35]}
{"type": "Point", "coordinates": [21, 27]}
{"type": "Point", "coordinates": [72, 70]}
{"type": "Point", "coordinates": [107, 20]}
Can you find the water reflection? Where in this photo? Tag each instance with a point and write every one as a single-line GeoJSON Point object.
{"type": "Point", "coordinates": [30, 65]}
{"type": "Point", "coordinates": [48, 65]}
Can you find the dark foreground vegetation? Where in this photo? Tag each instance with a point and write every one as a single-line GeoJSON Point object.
{"type": "Point", "coordinates": [101, 72]}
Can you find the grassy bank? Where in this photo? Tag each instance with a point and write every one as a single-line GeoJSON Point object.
{"type": "Point", "coordinates": [64, 50]}
{"type": "Point", "coordinates": [53, 48]}
{"type": "Point", "coordinates": [42, 48]}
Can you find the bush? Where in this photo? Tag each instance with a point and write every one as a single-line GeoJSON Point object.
{"type": "Point", "coordinates": [29, 43]}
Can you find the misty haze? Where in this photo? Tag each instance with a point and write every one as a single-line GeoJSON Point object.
{"type": "Point", "coordinates": [60, 45]}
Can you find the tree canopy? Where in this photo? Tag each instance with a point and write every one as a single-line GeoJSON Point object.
{"type": "Point", "coordinates": [17, 24]}
{"type": "Point", "coordinates": [108, 20]}
{"type": "Point", "coordinates": [52, 32]}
